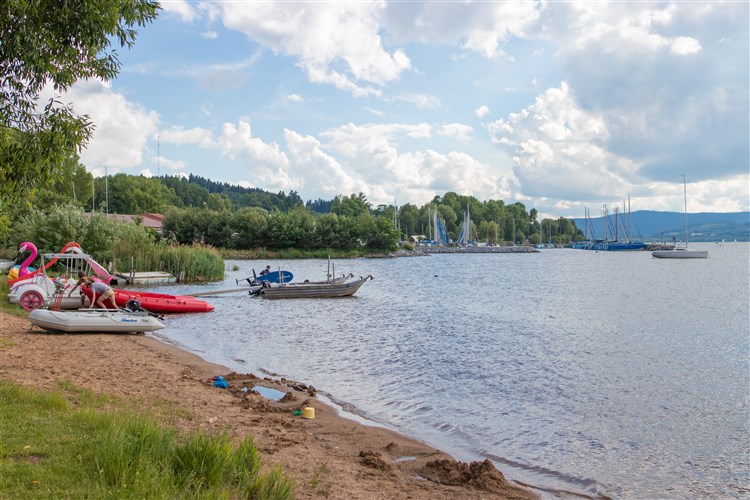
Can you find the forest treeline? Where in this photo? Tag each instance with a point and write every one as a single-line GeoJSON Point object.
{"type": "Point", "coordinates": [234, 217]}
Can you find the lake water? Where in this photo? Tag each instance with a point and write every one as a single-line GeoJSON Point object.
{"type": "Point", "coordinates": [609, 374]}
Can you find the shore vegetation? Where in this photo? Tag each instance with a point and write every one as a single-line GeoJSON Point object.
{"type": "Point", "coordinates": [73, 443]}
{"type": "Point", "coordinates": [118, 246]}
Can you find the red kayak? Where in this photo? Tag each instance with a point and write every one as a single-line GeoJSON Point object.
{"type": "Point", "coordinates": [157, 302]}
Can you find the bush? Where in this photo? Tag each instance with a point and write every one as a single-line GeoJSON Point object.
{"type": "Point", "coordinates": [127, 246]}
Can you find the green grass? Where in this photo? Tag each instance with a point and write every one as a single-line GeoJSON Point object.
{"type": "Point", "coordinates": [70, 443]}
{"type": "Point", "coordinates": [6, 306]}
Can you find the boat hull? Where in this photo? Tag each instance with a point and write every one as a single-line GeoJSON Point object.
{"type": "Point", "coordinates": [94, 321]}
{"type": "Point", "coordinates": [679, 253]}
{"type": "Point", "coordinates": [312, 291]}
{"type": "Point", "coordinates": [158, 302]}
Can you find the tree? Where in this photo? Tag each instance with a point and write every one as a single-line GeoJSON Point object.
{"type": "Point", "coordinates": [251, 225]}
{"type": "Point", "coordinates": [353, 206]}
{"type": "Point", "coordinates": [73, 185]}
{"type": "Point", "coordinates": [133, 194]}
{"type": "Point", "coordinates": [409, 217]}
{"type": "Point", "coordinates": [51, 43]}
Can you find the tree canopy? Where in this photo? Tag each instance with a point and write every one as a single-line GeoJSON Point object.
{"type": "Point", "coordinates": [47, 43]}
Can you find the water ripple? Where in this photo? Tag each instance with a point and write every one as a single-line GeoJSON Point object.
{"type": "Point", "coordinates": [600, 374]}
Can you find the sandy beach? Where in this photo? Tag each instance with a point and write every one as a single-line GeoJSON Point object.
{"type": "Point", "coordinates": [329, 456]}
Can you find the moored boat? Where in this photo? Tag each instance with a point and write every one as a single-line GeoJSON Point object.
{"type": "Point", "coordinates": [157, 302]}
{"type": "Point", "coordinates": [681, 252]}
{"type": "Point", "coordinates": [94, 321]}
{"type": "Point", "coordinates": [311, 291]}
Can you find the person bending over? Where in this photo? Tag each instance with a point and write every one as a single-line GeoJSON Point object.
{"type": "Point", "coordinates": [99, 288]}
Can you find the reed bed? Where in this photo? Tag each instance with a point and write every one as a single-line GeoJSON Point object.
{"type": "Point", "coordinates": [194, 263]}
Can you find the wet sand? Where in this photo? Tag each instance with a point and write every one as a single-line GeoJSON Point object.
{"type": "Point", "coordinates": [329, 456]}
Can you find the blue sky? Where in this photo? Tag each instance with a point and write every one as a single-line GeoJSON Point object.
{"type": "Point", "coordinates": [558, 105]}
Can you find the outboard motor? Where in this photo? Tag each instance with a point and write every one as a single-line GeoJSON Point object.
{"type": "Point", "coordinates": [133, 305]}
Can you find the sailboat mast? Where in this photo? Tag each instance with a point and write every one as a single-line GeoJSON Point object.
{"type": "Point", "coordinates": [684, 193]}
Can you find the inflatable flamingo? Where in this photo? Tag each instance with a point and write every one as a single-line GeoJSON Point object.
{"type": "Point", "coordinates": [23, 271]}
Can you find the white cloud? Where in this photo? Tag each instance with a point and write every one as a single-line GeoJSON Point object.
{"type": "Point", "coordinates": [179, 8]}
{"type": "Point", "coordinates": [318, 171]}
{"type": "Point", "coordinates": [266, 163]}
{"type": "Point", "coordinates": [122, 131]}
{"type": "Point", "coordinates": [294, 98]}
{"type": "Point", "coordinates": [375, 112]}
{"type": "Point", "coordinates": [146, 173]}
{"type": "Point", "coordinates": [336, 43]}
{"type": "Point", "coordinates": [559, 148]}
{"type": "Point", "coordinates": [456, 130]}
{"type": "Point", "coordinates": [685, 45]}
{"type": "Point", "coordinates": [210, 35]}
{"type": "Point", "coordinates": [371, 153]}
{"type": "Point", "coordinates": [199, 136]}
{"type": "Point", "coordinates": [162, 162]}
{"type": "Point", "coordinates": [482, 111]}
{"type": "Point", "coordinates": [482, 27]}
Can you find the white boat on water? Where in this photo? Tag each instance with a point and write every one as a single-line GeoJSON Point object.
{"type": "Point", "coordinates": [680, 253]}
{"type": "Point", "coordinates": [677, 252]}
{"type": "Point", "coordinates": [94, 321]}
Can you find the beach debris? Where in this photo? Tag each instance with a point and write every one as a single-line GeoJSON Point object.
{"type": "Point", "coordinates": [373, 459]}
{"type": "Point", "coordinates": [219, 382]}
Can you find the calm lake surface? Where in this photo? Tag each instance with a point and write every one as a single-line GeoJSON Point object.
{"type": "Point", "coordinates": [599, 373]}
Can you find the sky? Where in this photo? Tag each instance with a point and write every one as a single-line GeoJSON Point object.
{"type": "Point", "coordinates": [557, 105]}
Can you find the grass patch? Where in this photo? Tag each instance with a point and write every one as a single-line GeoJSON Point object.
{"type": "Point", "coordinates": [62, 444]}
{"type": "Point", "coordinates": [6, 306]}
{"type": "Point", "coordinates": [321, 482]}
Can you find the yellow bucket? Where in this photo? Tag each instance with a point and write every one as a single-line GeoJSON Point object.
{"type": "Point", "coordinates": [308, 413]}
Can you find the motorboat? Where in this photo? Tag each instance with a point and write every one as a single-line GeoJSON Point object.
{"type": "Point", "coordinates": [95, 321]}
{"type": "Point", "coordinates": [310, 291]}
{"type": "Point", "coordinates": [157, 302]}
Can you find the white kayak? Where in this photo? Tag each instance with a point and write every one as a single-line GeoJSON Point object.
{"type": "Point", "coordinates": [94, 321]}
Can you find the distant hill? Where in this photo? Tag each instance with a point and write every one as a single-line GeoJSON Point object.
{"type": "Point", "coordinates": [702, 226]}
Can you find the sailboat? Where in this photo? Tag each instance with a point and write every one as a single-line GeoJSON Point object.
{"type": "Point", "coordinates": [681, 253]}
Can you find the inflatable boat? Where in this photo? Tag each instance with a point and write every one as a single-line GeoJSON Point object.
{"type": "Point", "coordinates": [157, 302]}
{"type": "Point", "coordinates": [94, 321]}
